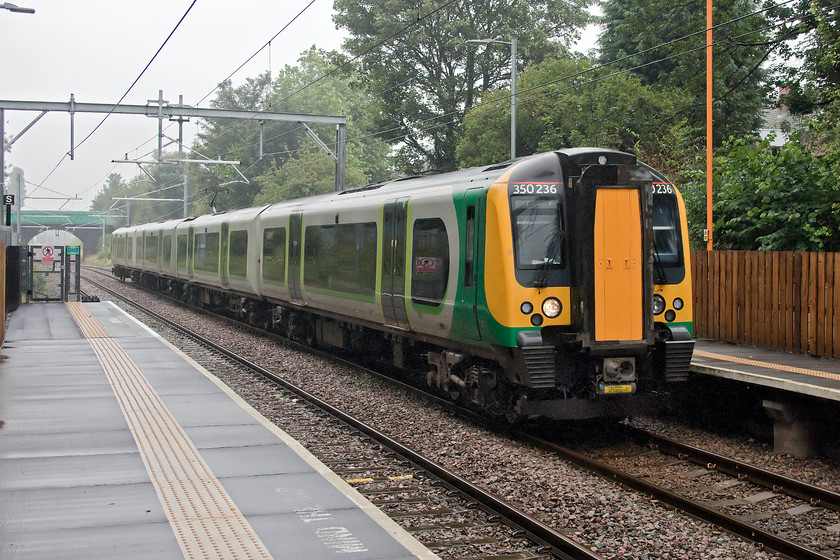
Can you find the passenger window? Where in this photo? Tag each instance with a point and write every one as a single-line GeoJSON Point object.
{"type": "Point", "coordinates": [238, 253]}
{"type": "Point", "coordinates": [430, 262]}
{"type": "Point", "coordinates": [207, 252]}
{"type": "Point", "coordinates": [181, 252]}
{"type": "Point", "coordinates": [274, 255]}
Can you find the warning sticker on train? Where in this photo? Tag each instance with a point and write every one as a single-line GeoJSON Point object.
{"type": "Point", "coordinates": [427, 264]}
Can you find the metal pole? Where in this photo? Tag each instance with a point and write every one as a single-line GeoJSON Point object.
{"type": "Point", "coordinates": [709, 136]}
{"type": "Point", "coordinates": [341, 156]}
{"type": "Point", "coordinates": [2, 151]}
{"type": "Point", "coordinates": [19, 202]}
{"type": "Point", "coordinates": [513, 99]}
{"type": "Point", "coordinates": [186, 205]}
{"type": "Point", "coordinates": [72, 125]}
{"type": "Point", "coordinates": [180, 131]}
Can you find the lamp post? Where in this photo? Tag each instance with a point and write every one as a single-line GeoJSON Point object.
{"type": "Point", "coordinates": [512, 44]}
{"type": "Point", "coordinates": [16, 9]}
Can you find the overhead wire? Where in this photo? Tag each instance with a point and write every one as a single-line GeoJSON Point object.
{"type": "Point", "coordinates": [500, 100]}
{"type": "Point", "coordinates": [346, 63]}
{"type": "Point", "coordinates": [251, 57]}
{"type": "Point", "coordinates": [267, 44]}
{"type": "Point", "coordinates": [92, 132]}
{"type": "Point", "coordinates": [571, 76]}
{"type": "Point", "coordinates": [478, 106]}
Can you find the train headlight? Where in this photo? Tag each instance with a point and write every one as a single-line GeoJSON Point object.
{"type": "Point", "coordinates": [527, 307]}
{"type": "Point", "coordinates": [670, 315]}
{"type": "Point", "coordinates": [658, 304]}
{"type": "Point", "coordinates": [552, 308]}
{"type": "Point", "coordinates": [678, 303]}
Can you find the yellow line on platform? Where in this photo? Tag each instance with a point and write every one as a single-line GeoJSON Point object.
{"type": "Point", "coordinates": [767, 365]}
{"type": "Point", "coordinates": [205, 520]}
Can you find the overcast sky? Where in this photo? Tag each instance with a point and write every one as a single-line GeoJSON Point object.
{"type": "Point", "coordinates": [95, 49]}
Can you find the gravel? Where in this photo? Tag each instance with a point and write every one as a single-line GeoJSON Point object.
{"type": "Point", "coordinates": [604, 516]}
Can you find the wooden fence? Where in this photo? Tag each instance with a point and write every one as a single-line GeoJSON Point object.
{"type": "Point", "coordinates": [772, 299]}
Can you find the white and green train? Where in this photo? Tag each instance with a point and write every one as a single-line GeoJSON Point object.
{"type": "Point", "coordinates": [553, 285]}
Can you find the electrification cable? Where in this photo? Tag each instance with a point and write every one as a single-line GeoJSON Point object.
{"type": "Point", "coordinates": [540, 86]}
{"type": "Point", "coordinates": [268, 43]}
{"type": "Point", "coordinates": [85, 139]}
{"type": "Point", "coordinates": [499, 100]}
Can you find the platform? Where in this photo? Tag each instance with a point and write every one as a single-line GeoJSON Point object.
{"type": "Point", "coordinates": [794, 373]}
{"type": "Point", "coordinates": [113, 444]}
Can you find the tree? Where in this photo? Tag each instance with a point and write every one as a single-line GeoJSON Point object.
{"type": "Point", "coordinates": [115, 186]}
{"type": "Point", "coordinates": [288, 143]}
{"type": "Point", "coordinates": [812, 87]}
{"type": "Point", "coordinates": [418, 61]}
{"type": "Point", "coordinates": [307, 175]}
{"type": "Point", "coordinates": [786, 199]}
{"type": "Point", "coordinates": [664, 43]}
{"type": "Point", "coordinates": [567, 103]}
{"type": "Point", "coordinates": [229, 140]}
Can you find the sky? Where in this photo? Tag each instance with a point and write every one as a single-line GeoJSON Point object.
{"type": "Point", "coordinates": [95, 49]}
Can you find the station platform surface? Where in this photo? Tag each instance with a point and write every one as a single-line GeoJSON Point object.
{"type": "Point", "coordinates": [795, 373]}
{"type": "Point", "coordinates": [113, 444]}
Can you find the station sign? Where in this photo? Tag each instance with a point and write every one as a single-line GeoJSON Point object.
{"type": "Point", "coordinates": [74, 250]}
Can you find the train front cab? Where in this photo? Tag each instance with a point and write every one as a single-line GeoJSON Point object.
{"type": "Point", "coordinates": [572, 273]}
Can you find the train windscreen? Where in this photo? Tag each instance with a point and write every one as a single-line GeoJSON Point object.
{"type": "Point", "coordinates": [539, 236]}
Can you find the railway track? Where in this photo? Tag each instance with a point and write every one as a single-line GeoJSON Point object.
{"type": "Point", "coordinates": [615, 468]}
{"type": "Point", "coordinates": [667, 471]}
{"type": "Point", "coordinates": [446, 512]}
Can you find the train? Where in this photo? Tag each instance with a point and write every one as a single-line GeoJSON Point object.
{"type": "Point", "coordinates": [555, 285]}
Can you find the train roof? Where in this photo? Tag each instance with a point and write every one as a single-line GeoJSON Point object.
{"type": "Point", "coordinates": [571, 161]}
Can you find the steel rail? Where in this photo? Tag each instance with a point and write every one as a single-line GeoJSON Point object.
{"type": "Point", "coordinates": [779, 483]}
{"type": "Point", "coordinates": [697, 509]}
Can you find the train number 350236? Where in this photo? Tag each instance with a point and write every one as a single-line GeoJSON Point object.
{"type": "Point", "coordinates": [531, 188]}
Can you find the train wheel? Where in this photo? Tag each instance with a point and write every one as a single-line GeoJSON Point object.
{"type": "Point", "coordinates": [454, 392]}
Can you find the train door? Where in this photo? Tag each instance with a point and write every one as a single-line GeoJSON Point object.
{"type": "Point", "coordinates": [618, 266]}
{"type": "Point", "coordinates": [295, 247]}
{"type": "Point", "coordinates": [612, 263]}
{"type": "Point", "coordinates": [471, 244]}
{"type": "Point", "coordinates": [394, 223]}
{"type": "Point", "coordinates": [224, 244]}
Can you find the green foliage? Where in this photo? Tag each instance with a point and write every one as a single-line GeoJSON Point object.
{"type": "Point", "coordinates": [785, 199]}
{"type": "Point", "coordinates": [288, 144]}
{"type": "Point", "coordinates": [162, 181]}
{"type": "Point", "coordinates": [582, 107]}
{"type": "Point", "coordinates": [307, 175]}
{"type": "Point", "coordinates": [114, 185]}
{"type": "Point", "coordinates": [428, 75]}
{"type": "Point", "coordinates": [662, 42]}
{"type": "Point", "coordinates": [812, 83]}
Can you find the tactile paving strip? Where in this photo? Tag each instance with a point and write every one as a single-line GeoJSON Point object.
{"type": "Point", "coordinates": [768, 365]}
{"type": "Point", "coordinates": [205, 520]}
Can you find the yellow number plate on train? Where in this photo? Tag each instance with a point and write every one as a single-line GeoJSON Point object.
{"type": "Point", "coordinates": [615, 389]}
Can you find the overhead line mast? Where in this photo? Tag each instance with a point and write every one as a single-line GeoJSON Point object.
{"type": "Point", "coordinates": [709, 119]}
